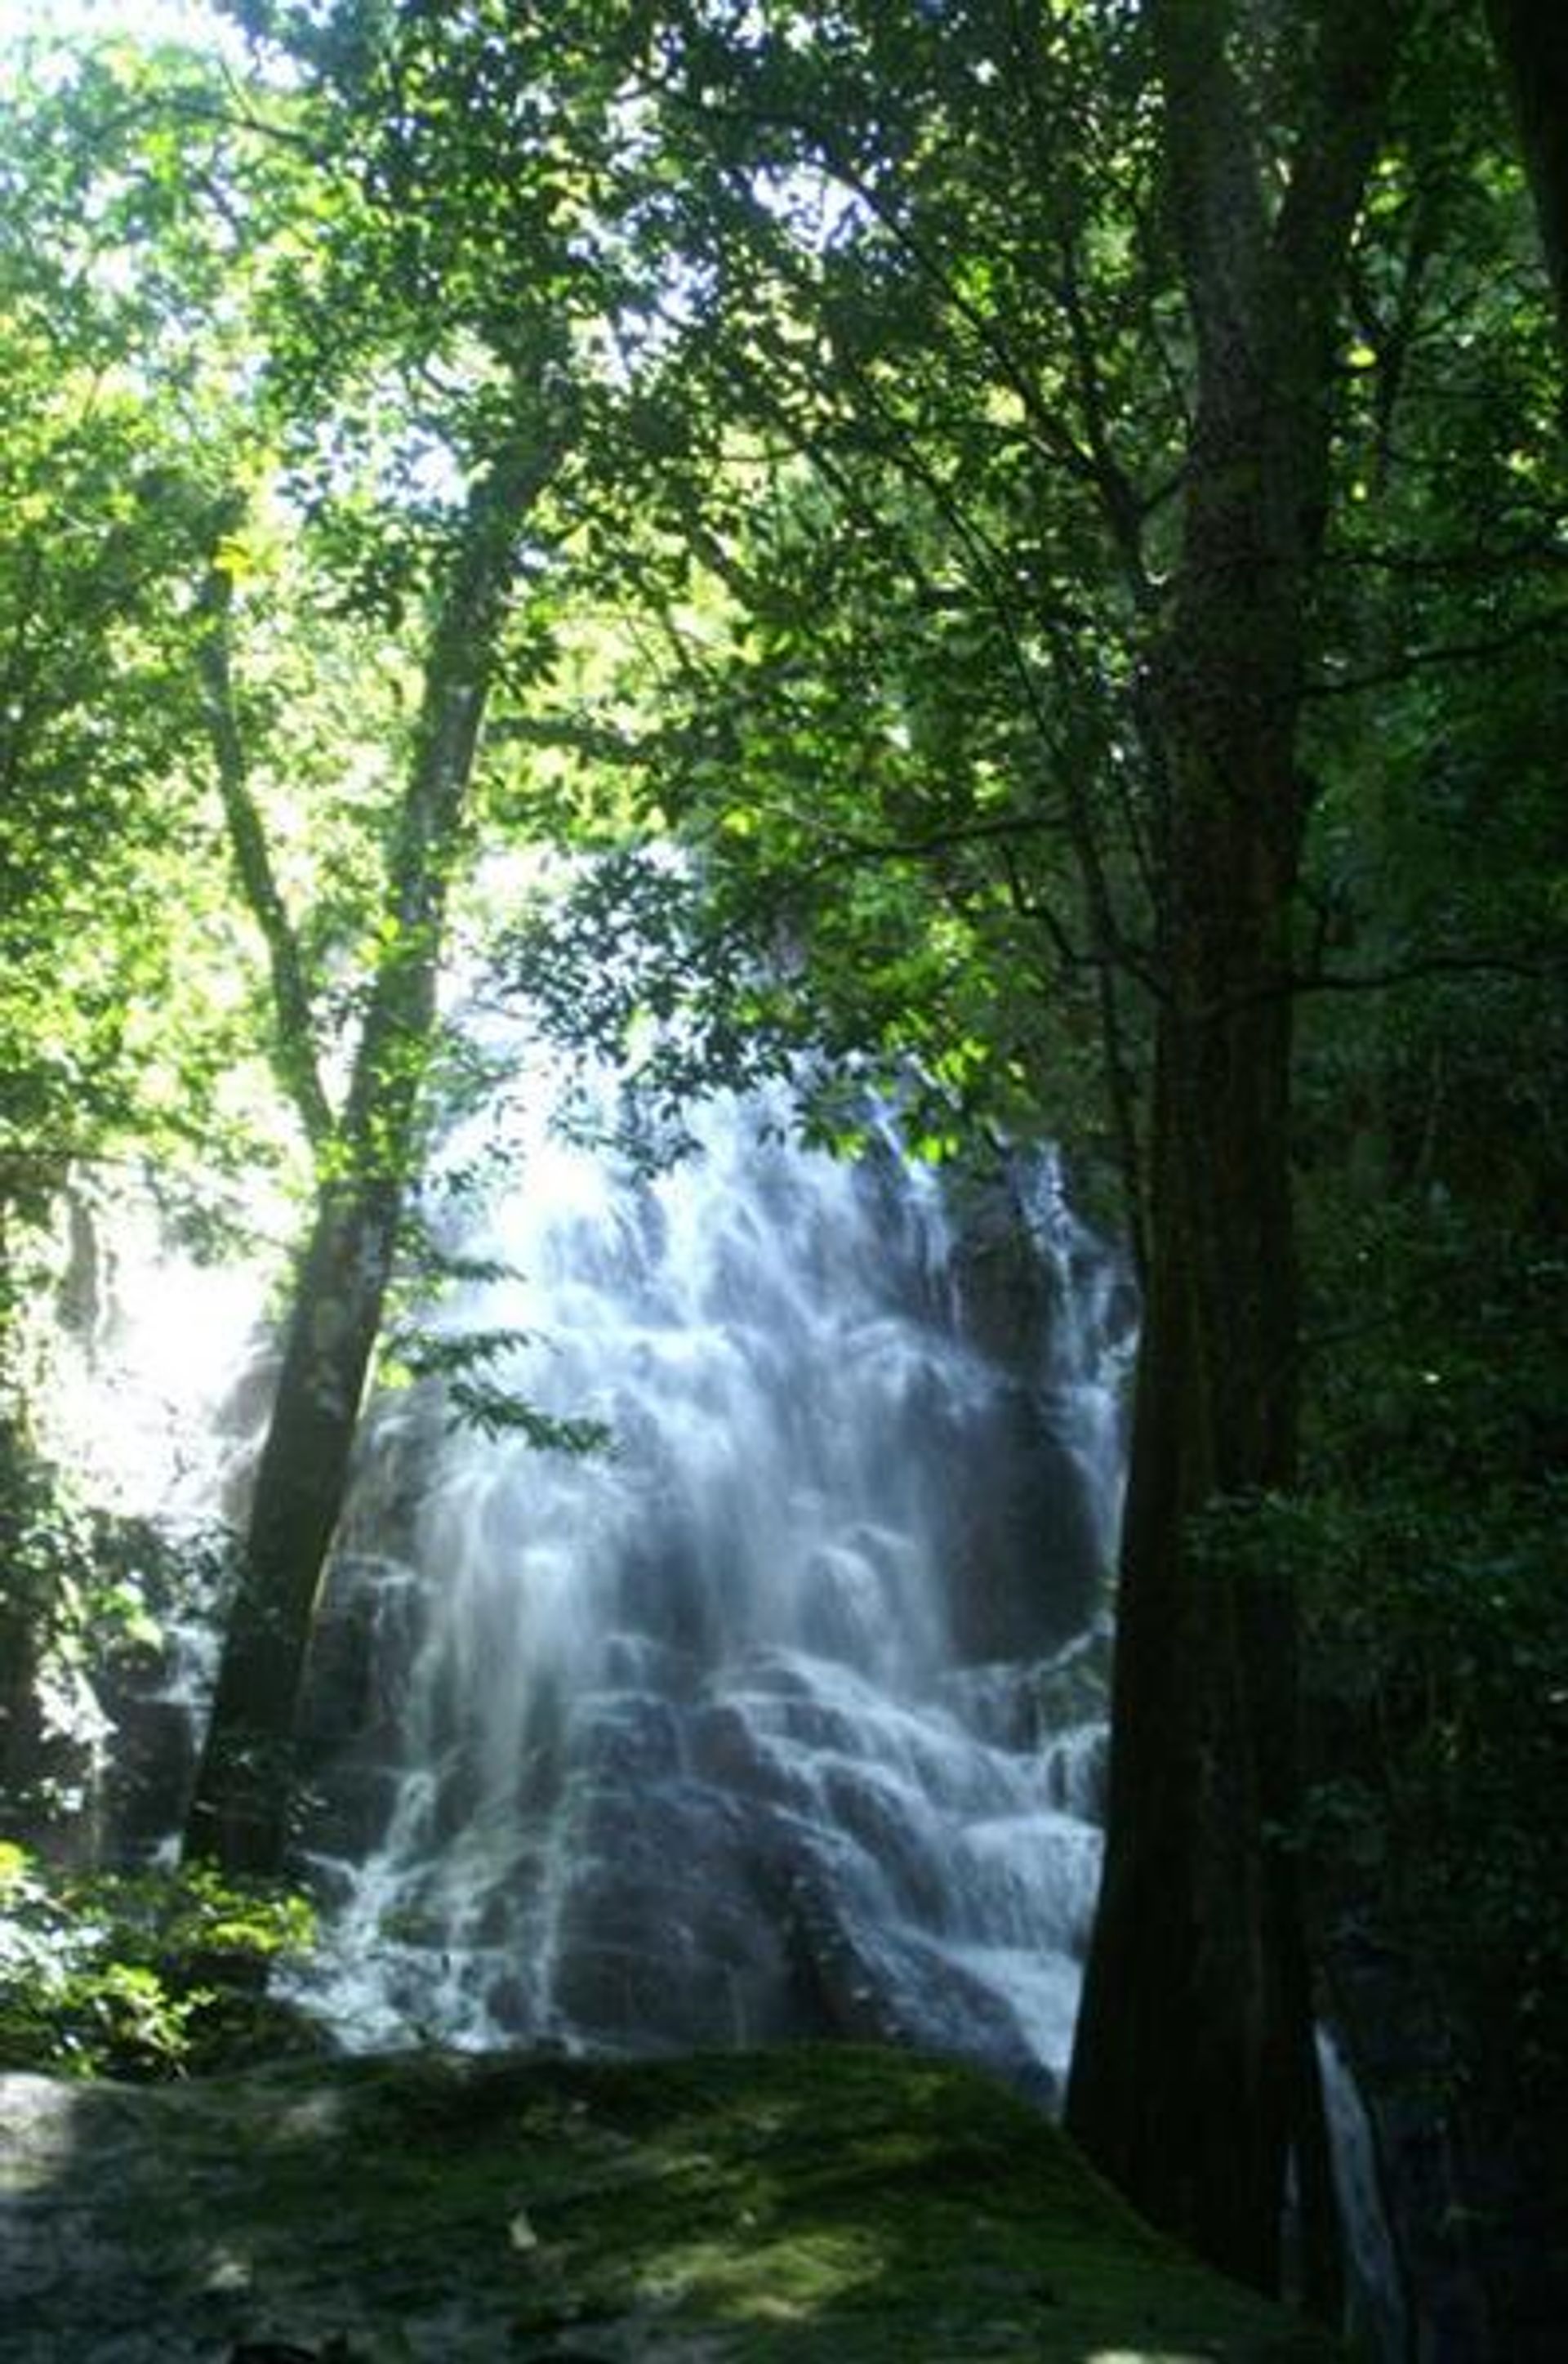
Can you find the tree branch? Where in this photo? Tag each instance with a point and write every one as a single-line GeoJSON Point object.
{"type": "Point", "coordinates": [1535, 970]}
{"type": "Point", "coordinates": [1449, 652]}
{"type": "Point", "coordinates": [293, 1026]}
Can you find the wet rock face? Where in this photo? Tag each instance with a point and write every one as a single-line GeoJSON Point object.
{"type": "Point", "coordinates": [824, 2205]}
{"type": "Point", "coordinates": [779, 1856]}
{"type": "Point", "coordinates": [1005, 1291]}
{"type": "Point", "coordinates": [154, 1766]}
{"type": "Point", "coordinates": [679, 1859]}
{"type": "Point", "coordinates": [1025, 1555]}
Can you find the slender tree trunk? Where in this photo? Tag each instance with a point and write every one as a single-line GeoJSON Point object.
{"type": "Point", "coordinates": [239, 1814]}
{"type": "Point", "coordinates": [1193, 2078]}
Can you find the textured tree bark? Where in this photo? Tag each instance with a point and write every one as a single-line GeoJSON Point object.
{"type": "Point", "coordinates": [1531, 40]}
{"type": "Point", "coordinates": [1194, 2081]}
{"type": "Point", "coordinates": [238, 1815]}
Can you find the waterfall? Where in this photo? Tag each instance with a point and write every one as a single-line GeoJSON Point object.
{"type": "Point", "coordinates": [780, 1715]}
{"type": "Point", "coordinates": [1376, 2311]}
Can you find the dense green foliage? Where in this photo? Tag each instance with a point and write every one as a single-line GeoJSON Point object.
{"type": "Point", "coordinates": [150, 1975]}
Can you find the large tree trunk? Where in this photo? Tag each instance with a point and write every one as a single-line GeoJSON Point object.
{"type": "Point", "coordinates": [1193, 2078]}
{"type": "Point", "coordinates": [238, 1815]}
{"type": "Point", "coordinates": [1531, 40]}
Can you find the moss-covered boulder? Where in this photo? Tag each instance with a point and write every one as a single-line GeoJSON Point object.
{"type": "Point", "coordinates": [832, 2202]}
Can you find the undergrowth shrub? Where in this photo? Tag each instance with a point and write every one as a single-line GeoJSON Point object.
{"type": "Point", "coordinates": [148, 1975]}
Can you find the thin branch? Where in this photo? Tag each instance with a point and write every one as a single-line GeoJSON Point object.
{"type": "Point", "coordinates": [1451, 652]}
{"type": "Point", "coordinates": [1003, 830]}
{"type": "Point", "coordinates": [599, 742]}
{"type": "Point", "coordinates": [1474, 559]}
{"type": "Point", "coordinates": [1547, 968]}
{"type": "Point", "coordinates": [1534, 970]}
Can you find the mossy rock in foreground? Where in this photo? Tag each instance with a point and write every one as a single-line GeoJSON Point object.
{"type": "Point", "coordinates": [826, 2203]}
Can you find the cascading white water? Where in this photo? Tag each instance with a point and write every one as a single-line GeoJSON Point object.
{"type": "Point", "coordinates": [1377, 2312]}
{"type": "Point", "coordinates": [710, 1737]}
